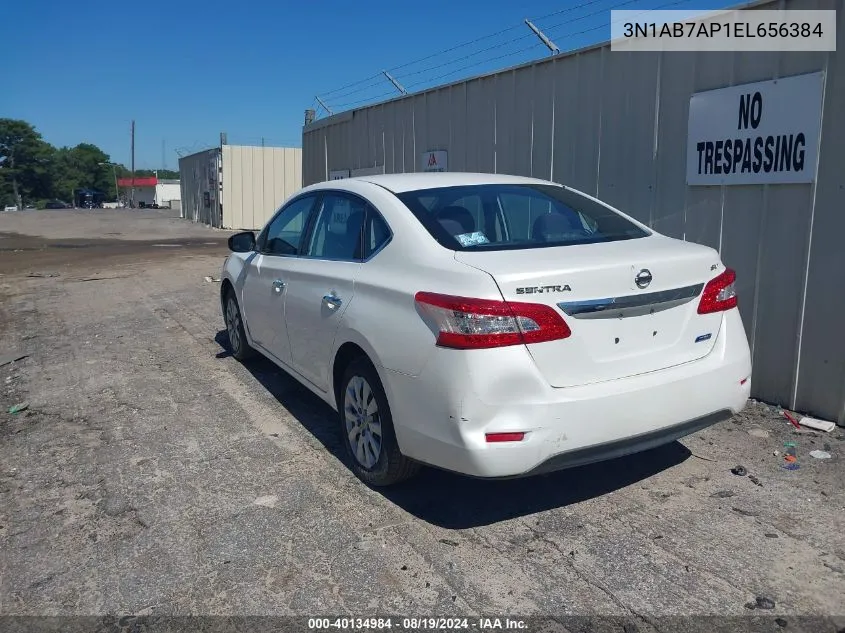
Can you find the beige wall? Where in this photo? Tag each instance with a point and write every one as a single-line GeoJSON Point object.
{"type": "Point", "coordinates": [256, 180]}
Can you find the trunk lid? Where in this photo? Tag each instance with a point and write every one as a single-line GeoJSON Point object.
{"type": "Point", "coordinates": [619, 328]}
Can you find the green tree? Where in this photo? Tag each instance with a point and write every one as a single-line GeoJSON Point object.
{"type": "Point", "coordinates": [163, 174]}
{"type": "Point", "coordinates": [26, 162]}
{"type": "Point", "coordinates": [80, 167]}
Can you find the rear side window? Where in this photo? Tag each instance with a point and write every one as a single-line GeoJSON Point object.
{"type": "Point", "coordinates": [504, 217]}
{"type": "Point", "coordinates": [376, 233]}
{"type": "Point", "coordinates": [337, 232]}
{"type": "Point", "coordinates": [347, 228]}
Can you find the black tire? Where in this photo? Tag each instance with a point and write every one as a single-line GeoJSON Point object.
{"type": "Point", "coordinates": [391, 466]}
{"type": "Point", "coordinates": [238, 344]}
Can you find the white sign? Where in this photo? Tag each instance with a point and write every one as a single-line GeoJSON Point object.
{"type": "Point", "coordinates": [784, 30]}
{"type": "Point", "coordinates": [753, 134]}
{"type": "Point", "coordinates": [433, 160]}
{"type": "Point", "coordinates": [368, 171]}
{"type": "Point", "coordinates": [338, 174]}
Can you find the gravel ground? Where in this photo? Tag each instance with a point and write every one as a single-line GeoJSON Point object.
{"type": "Point", "coordinates": [153, 474]}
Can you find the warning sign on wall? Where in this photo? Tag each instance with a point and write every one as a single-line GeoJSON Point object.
{"type": "Point", "coordinates": [433, 161]}
{"type": "Point", "coordinates": [759, 133]}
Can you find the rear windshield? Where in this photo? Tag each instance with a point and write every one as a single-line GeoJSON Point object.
{"type": "Point", "coordinates": [501, 217]}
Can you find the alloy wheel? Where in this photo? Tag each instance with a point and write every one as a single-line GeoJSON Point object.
{"type": "Point", "coordinates": [363, 424]}
{"type": "Point", "coordinates": [233, 324]}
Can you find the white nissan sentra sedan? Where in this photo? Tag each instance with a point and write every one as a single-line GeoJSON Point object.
{"type": "Point", "coordinates": [490, 325]}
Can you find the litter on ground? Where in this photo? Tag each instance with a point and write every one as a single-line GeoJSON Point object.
{"type": "Point", "coordinates": [17, 408]}
{"type": "Point", "coordinates": [819, 425]}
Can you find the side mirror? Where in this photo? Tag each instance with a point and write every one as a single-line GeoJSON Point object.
{"type": "Point", "coordinates": [243, 242]}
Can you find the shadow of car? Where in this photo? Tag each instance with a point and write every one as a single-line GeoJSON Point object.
{"type": "Point", "coordinates": [456, 501]}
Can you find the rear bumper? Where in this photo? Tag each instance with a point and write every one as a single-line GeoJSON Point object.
{"type": "Point", "coordinates": [628, 445]}
{"type": "Point", "coordinates": [442, 415]}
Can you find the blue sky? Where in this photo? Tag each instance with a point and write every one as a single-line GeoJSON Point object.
{"type": "Point", "coordinates": [187, 70]}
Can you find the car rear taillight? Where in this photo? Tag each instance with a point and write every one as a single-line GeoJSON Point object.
{"type": "Point", "coordinates": [465, 323]}
{"type": "Point", "coordinates": [719, 294]}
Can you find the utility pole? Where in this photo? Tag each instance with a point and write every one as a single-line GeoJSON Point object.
{"type": "Point", "coordinates": [163, 158]}
{"type": "Point", "coordinates": [132, 190]}
{"type": "Point", "coordinates": [551, 45]}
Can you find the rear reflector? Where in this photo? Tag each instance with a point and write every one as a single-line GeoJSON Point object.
{"type": "Point", "coordinates": [466, 323]}
{"type": "Point", "coordinates": [504, 437]}
{"type": "Point", "coordinates": [719, 294]}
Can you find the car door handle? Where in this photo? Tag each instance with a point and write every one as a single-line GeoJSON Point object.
{"type": "Point", "coordinates": [278, 286]}
{"type": "Point", "coordinates": [332, 301]}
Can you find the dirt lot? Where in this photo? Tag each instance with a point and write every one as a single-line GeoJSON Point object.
{"type": "Point", "coordinates": [154, 474]}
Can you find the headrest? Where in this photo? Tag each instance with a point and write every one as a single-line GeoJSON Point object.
{"type": "Point", "coordinates": [354, 222]}
{"type": "Point", "coordinates": [459, 215]}
{"type": "Point", "coordinates": [551, 226]}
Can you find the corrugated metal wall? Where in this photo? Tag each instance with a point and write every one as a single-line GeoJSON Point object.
{"type": "Point", "coordinates": [615, 125]}
{"type": "Point", "coordinates": [199, 176]}
{"type": "Point", "coordinates": [255, 181]}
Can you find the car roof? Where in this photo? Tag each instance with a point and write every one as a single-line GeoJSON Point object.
{"type": "Point", "coordinates": [398, 183]}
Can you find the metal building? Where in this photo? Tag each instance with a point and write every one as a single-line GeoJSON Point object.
{"type": "Point", "coordinates": [238, 186]}
{"type": "Point", "coordinates": [616, 125]}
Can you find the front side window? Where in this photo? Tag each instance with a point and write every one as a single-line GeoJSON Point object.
{"type": "Point", "coordinates": [284, 233]}
{"type": "Point", "coordinates": [505, 217]}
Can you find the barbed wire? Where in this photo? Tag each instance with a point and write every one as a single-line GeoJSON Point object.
{"type": "Point", "coordinates": [550, 28]}
{"type": "Point", "coordinates": [381, 79]}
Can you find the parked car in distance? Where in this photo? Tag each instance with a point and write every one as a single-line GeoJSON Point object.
{"type": "Point", "coordinates": [56, 204]}
{"type": "Point", "coordinates": [490, 325]}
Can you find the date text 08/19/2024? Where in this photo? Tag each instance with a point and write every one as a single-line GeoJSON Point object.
{"type": "Point", "coordinates": [416, 624]}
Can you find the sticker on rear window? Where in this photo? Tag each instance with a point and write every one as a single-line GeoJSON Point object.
{"type": "Point", "coordinates": [472, 239]}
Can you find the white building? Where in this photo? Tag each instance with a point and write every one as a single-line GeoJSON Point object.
{"type": "Point", "coordinates": [151, 190]}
